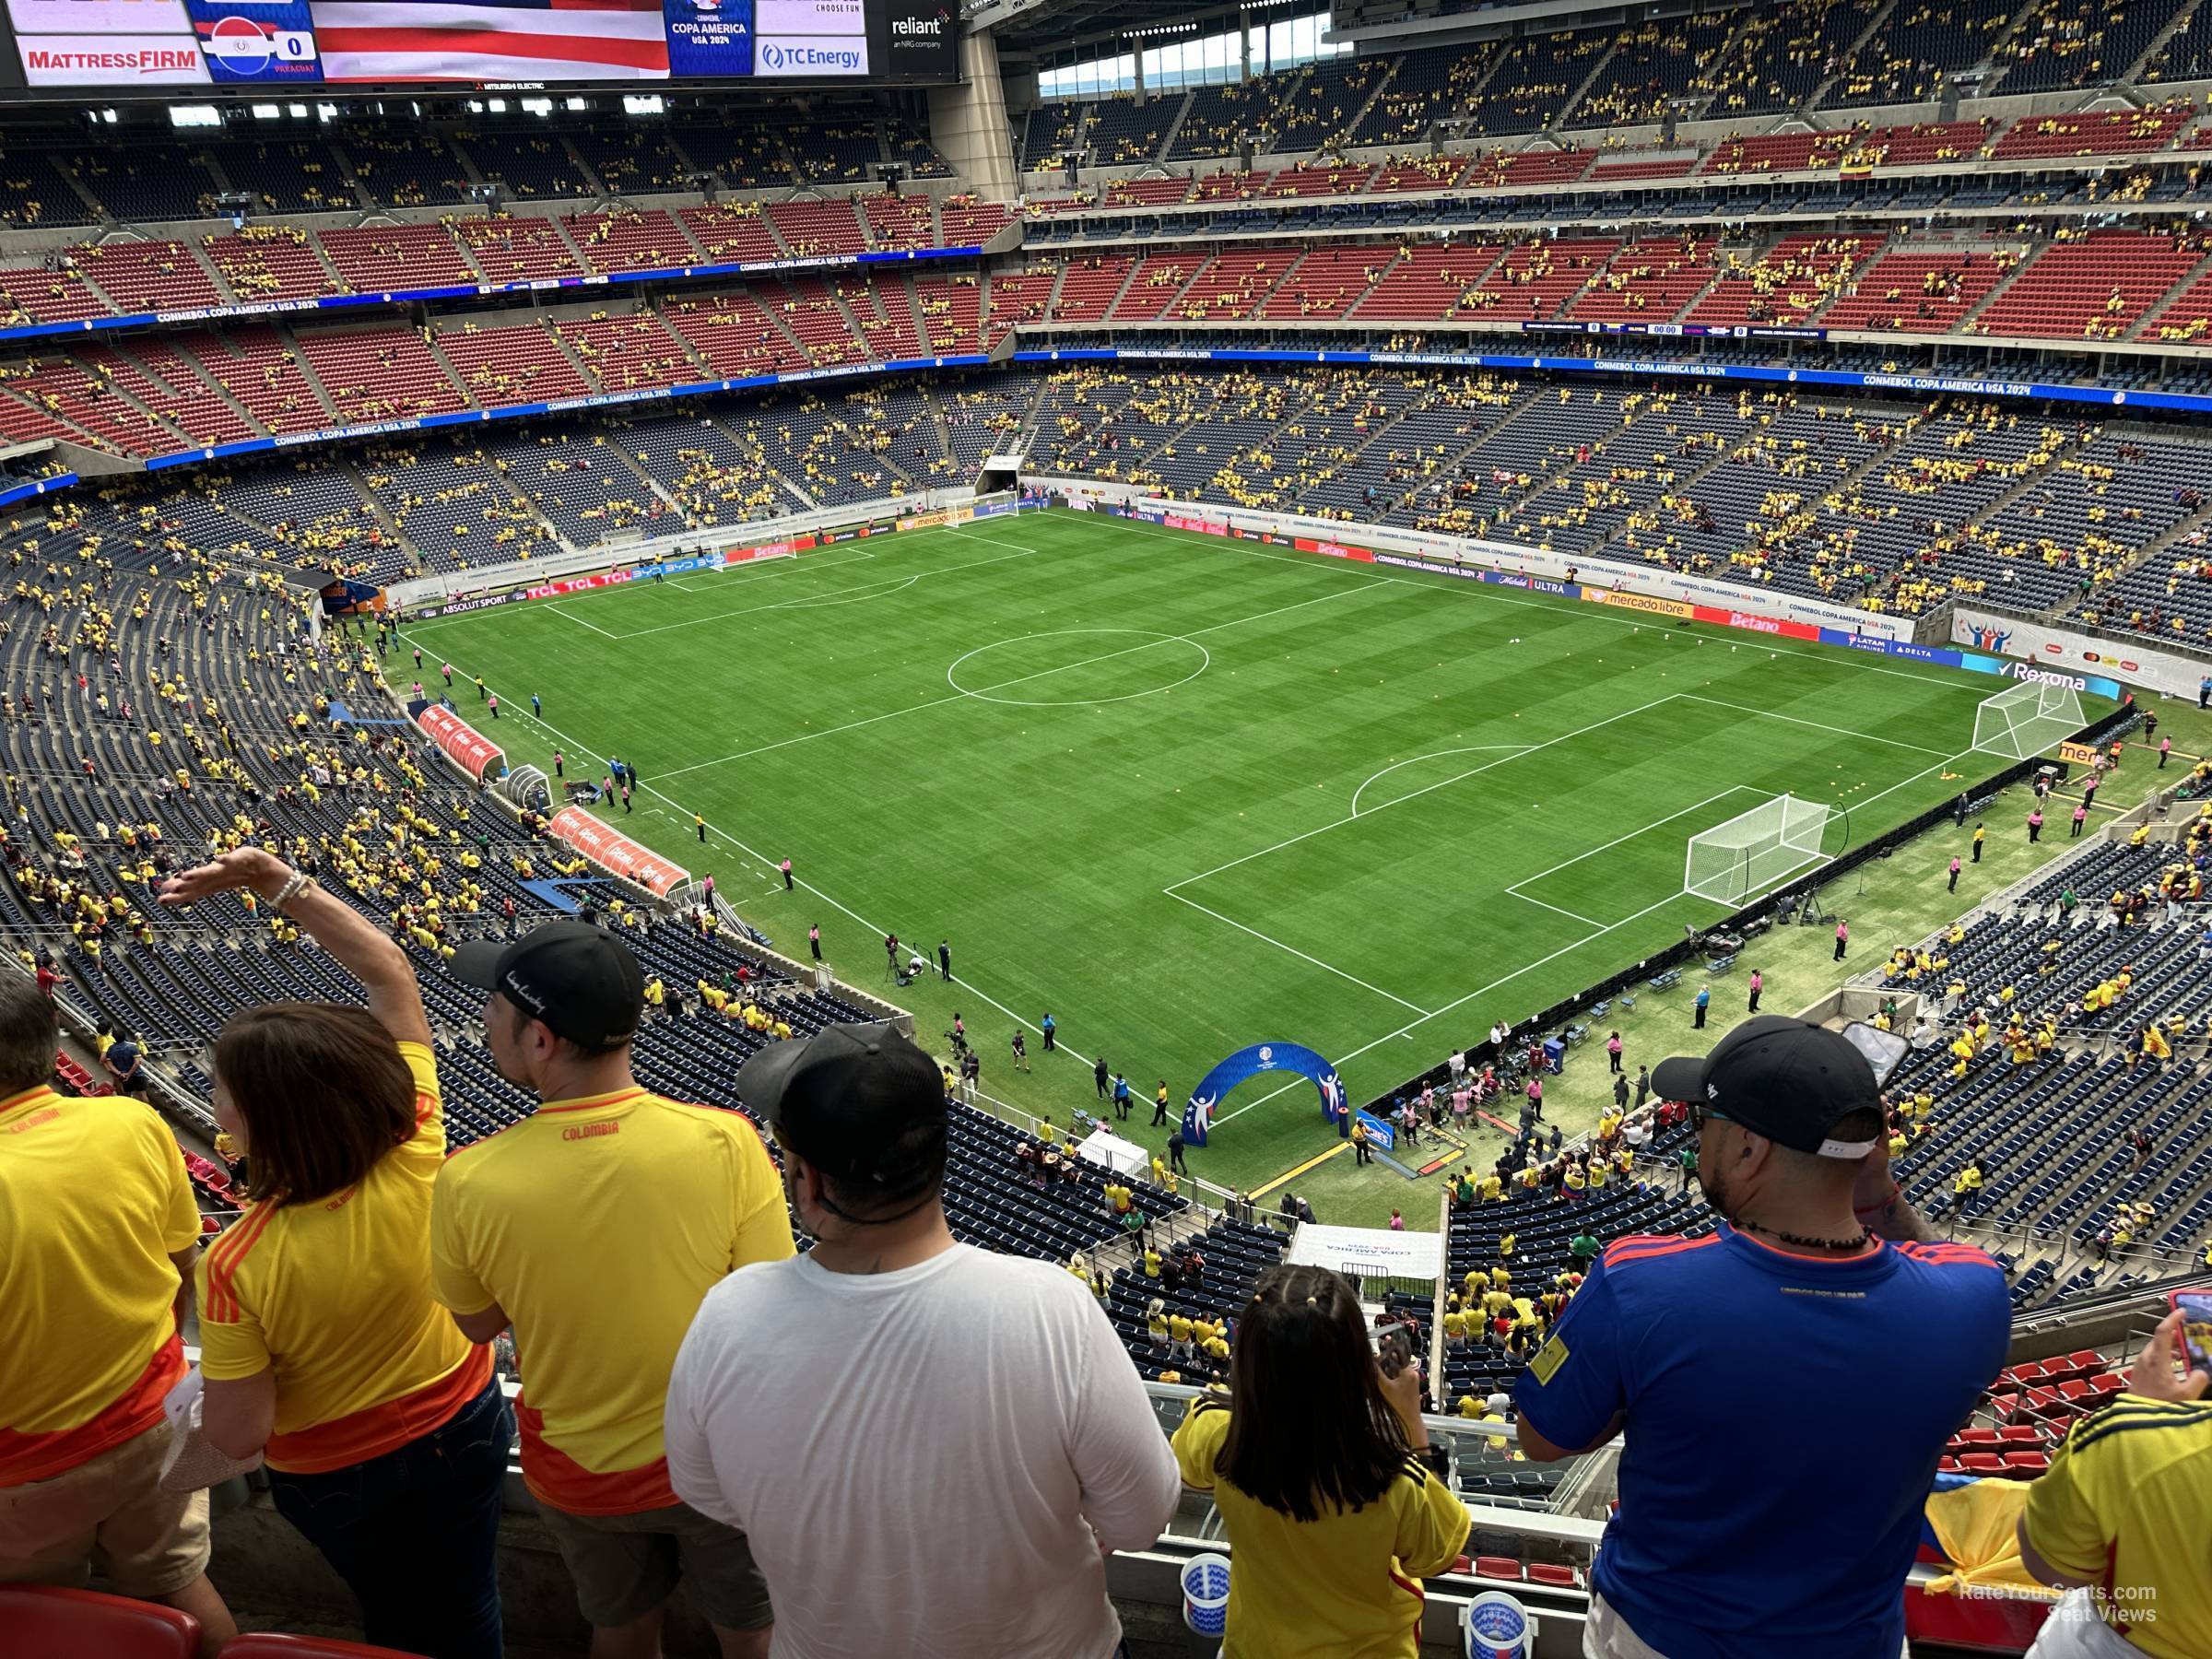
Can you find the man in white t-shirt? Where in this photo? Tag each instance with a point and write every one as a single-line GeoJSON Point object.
{"type": "Point", "coordinates": [927, 1445]}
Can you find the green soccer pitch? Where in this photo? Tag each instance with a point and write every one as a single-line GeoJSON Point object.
{"type": "Point", "coordinates": [1187, 793]}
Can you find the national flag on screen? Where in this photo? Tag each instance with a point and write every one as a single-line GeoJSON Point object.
{"type": "Point", "coordinates": [491, 40]}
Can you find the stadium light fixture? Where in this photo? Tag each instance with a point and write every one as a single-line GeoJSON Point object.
{"type": "Point", "coordinates": [268, 111]}
{"type": "Point", "coordinates": [540, 107]}
{"type": "Point", "coordinates": [297, 111]}
{"type": "Point", "coordinates": [195, 115]}
{"type": "Point", "coordinates": [644, 103]}
{"type": "Point", "coordinates": [579, 103]}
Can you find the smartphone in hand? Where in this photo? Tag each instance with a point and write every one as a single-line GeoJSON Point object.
{"type": "Point", "coordinates": [2196, 1327]}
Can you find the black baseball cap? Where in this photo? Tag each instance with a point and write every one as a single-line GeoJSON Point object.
{"type": "Point", "coordinates": [579, 981]}
{"type": "Point", "coordinates": [1787, 1079]}
{"type": "Point", "coordinates": [847, 1100]}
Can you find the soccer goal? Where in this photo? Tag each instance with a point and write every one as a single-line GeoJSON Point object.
{"type": "Point", "coordinates": [2024, 720]}
{"type": "Point", "coordinates": [1754, 852]}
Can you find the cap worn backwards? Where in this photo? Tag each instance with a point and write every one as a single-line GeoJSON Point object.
{"type": "Point", "coordinates": [579, 981]}
{"type": "Point", "coordinates": [1787, 1079]}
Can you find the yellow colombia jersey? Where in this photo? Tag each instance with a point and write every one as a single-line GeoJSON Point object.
{"type": "Point", "coordinates": [2122, 1506]}
{"type": "Point", "coordinates": [1346, 1586]}
{"type": "Point", "coordinates": [598, 1225]}
{"type": "Point", "coordinates": [334, 1297]}
{"type": "Point", "coordinates": [93, 1203]}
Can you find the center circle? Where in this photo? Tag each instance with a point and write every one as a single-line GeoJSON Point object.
{"type": "Point", "coordinates": [1118, 664]}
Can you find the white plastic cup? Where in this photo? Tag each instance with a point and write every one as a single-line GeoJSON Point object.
{"type": "Point", "coordinates": [1206, 1593]}
{"type": "Point", "coordinates": [1498, 1626]}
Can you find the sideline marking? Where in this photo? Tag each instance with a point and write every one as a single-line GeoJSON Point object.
{"type": "Point", "coordinates": [1326, 968]}
{"type": "Point", "coordinates": [865, 590]}
{"type": "Point", "coordinates": [579, 622]}
{"type": "Point", "coordinates": [1817, 725]}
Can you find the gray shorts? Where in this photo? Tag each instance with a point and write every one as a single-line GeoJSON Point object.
{"type": "Point", "coordinates": [625, 1565]}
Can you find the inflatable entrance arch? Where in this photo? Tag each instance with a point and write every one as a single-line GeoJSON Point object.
{"type": "Point", "coordinates": [1246, 1064]}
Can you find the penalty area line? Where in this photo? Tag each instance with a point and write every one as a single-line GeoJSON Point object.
{"type": "Point", "coordinates": [1293, 950]}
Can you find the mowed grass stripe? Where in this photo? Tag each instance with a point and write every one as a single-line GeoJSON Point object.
{"type": "Point", "coordinates": [1039, 840]}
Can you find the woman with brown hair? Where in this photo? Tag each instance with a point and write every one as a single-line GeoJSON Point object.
{"type": "Point", "coordinates": [1322, 1471]}
{"type": "Point", "coordinates": [385, 1433]}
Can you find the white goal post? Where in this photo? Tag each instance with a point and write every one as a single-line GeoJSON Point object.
{"type": "Point", "coordinates": [2023, 720]}
{"type": "Point", "coordinates": [1754, 852]}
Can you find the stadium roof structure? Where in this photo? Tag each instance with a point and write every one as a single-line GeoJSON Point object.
{"type": "Point", "coordinates": [1042, 27]}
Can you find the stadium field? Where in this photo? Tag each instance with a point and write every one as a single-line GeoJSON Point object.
{"type": "Point", "coordinates": [1188, 795]}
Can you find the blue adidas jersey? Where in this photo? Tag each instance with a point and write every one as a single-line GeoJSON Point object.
{"type": "Point", "coordinates": [1781, 1420]}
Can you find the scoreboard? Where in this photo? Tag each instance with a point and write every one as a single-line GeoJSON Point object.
{"type": "Point", "coordinates": [53, 45]}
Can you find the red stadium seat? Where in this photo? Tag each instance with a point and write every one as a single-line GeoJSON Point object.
{"type": "Point", "coordinates": [2111, 1382]}
{"type": "Point", "coordinates": [272, 1644]}
{"type": "Point", "coordinates": [2087, 1362]}
{"type": "Point", "coordinates": [1497, 1567]}
{"type": "Point", "coordinates": [2076, 1388]}
{"type": "Point", "coordinates": [2020, 1432]}
{"type": "Point", "coordinates": [84, 1624]}
{"type": "Point", "coordinates": [1983, 1463]}
{"type": "Point", "coordinates": [2026, 1463]}
{"type": "Point", "coordinates": [1548, 1572]}
{"type": "Point", "coordinates": [1978, 1437]}
{"type": "Point", "coordinates": [1949, 1465]}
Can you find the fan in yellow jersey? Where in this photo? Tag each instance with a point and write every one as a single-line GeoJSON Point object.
{"type": "Point", "coordinates": [596, 1226]}
{"type": "Point", "coordinates": [2123, 1515]}
{"type": "Point", "coordinates": [98, 1235]}
{"type": "Point", "coordinates": [1330, 1533]}
{"type": "Point", "coordinates": [383, 1428]}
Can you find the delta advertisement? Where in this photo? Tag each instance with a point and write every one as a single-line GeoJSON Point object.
{"type": "Point", "coordinates": [2070, 656]}
{"type": "Point", "coordinates": [476, 754]}
{"type": "Point", "coordinates": [613, 851]}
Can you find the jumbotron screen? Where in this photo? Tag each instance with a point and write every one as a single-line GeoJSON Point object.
{"type": "Point", "coordinates": [294, 44]}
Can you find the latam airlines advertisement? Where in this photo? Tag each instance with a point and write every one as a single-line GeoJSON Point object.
{"type": "Point", "coordinates": [497, 43]}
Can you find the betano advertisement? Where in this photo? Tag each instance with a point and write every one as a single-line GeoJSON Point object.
{"type": "Point", "coordinates": [611, 850]}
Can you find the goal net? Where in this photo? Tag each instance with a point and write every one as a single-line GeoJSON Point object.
{"type": "Point", "coordinates": [1754, 852]}
{"type": "Point", "coordinates": [2024, 720]}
